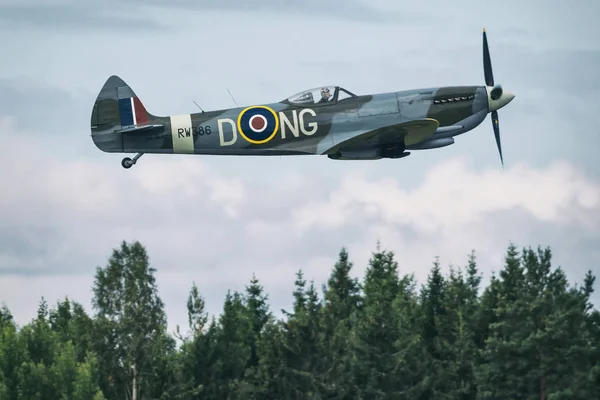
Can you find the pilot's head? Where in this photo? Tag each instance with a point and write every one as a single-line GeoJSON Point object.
{"type": "Point", "coordinates": [325, 94]}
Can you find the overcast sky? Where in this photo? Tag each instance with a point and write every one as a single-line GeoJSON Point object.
{"type": "Point", "coordinates": [217, 220]}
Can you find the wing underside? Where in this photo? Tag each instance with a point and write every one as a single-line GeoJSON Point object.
{"type": "Point", "coordinates": [406, 133]}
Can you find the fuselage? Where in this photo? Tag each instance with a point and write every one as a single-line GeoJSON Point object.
{"type": "Point", "coordinates": [327, 120]}
{"type": "Point", "coordinates": [298, 125]}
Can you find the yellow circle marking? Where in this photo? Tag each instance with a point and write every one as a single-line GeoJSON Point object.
{"type": "Point", "coordinates": [239, 125]}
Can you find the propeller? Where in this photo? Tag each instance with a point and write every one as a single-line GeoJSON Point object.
{"type": "Point", "coordinates": [497, 97]}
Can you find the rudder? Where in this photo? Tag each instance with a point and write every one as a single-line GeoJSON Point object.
{"type": "Point", "coordinates": [117, 108]}
{"type": "Point", "coordinates": [118, 105]}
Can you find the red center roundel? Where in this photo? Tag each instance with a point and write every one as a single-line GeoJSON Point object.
{"type": "Point", "coordinates": [258, 123]}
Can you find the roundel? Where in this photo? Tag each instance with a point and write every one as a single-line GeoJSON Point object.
{"type": "Point", "coordinates": [258, 124]}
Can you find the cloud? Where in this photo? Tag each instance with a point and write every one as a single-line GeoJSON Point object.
{"type": "Point", "coordinates": [136, 15]}
{"type": "Point", "coordinates": [559, 194]}
{"type": "Point", "coordinates": [456, 205]}
{"type": "Point", "coordinates": [72, 16]}
{"type": "Point", "coordinates": [217, 220]}
{"type": "Point", "coordinates": [61, 218]}
{"type": "Point", "coordinates": [334, 9]}
{"type": "Point", "coordinates": [40, 108]}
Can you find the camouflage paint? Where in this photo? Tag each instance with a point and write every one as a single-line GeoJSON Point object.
{"type": "Point", "coordinates": [376, 126]}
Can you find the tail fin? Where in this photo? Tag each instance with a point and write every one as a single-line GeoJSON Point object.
{"type": "Point", "coordinates": [118, 109]}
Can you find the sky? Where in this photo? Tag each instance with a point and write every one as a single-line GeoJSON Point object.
{"type": "Point", "coordinates": [216, 221]}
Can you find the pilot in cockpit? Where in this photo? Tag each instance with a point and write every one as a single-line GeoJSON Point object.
{"type": "Point", "coordinates": [325, 95]}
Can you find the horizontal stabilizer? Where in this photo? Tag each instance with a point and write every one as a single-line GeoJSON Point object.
{"type": "Point", "coordinates": [141, 128]}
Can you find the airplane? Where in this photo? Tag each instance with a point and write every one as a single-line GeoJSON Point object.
{"type": "Point", "coordinates": [328, 120]}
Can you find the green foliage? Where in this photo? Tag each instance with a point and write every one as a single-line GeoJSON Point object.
{"type": "Point", "coordinates": [527, 335]}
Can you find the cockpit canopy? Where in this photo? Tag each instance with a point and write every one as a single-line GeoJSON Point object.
{"type": "Point", "coordinates": [321, 95]}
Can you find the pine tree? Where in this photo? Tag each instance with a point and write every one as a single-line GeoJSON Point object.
{"type": "Point", "coordinates": [342, 300]}
{"type": "Point", "coordinates": [441, 328]}
{"type": "Point", "coordinates": [540, 345]}
{"type": "Point", "coordinates": [197, 316]}
{"type": "Point", "coordinates": [377, 330]}
{"type": "Point", "coordinates": [460, 333]}
{"type": "Point", "coordinates": [270, 376]}
{"type": "Point", "coordinates": [530, 335]}
{"type": "Point", "coordinates": [411, 358]}
{"type": "Point", "coordinates": [232, 349]}
{"type": "Point", "coordinates": [300, 347]}
{"type": "Point", "coordinates": [342, 294]}
{"type": "Point", "coordinates": [258, 314]}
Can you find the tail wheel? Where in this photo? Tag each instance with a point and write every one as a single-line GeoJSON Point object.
{"type": "Point", "coordinates": [127, 163]}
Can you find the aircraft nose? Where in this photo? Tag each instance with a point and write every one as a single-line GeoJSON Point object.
{"type": "Point", "coordinates": [506, 98]}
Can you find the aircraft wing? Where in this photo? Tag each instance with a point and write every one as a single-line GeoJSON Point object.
{"type": "Point", "coordinates": [409, 133]}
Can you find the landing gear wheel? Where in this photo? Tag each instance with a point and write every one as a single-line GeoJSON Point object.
{"type": "Point", "coordinates": [127, 163]}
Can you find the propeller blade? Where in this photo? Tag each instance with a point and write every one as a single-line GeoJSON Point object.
{"type": "Point", "coordinates": [497, 134]}
{"type": "Point", "coordinates": [487, 62]}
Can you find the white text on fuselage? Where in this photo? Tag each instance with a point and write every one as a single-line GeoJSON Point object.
{"type": "Point", "coordinates": [297, 125]}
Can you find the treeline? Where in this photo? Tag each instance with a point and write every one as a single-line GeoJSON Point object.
{"type": "Point", "coordinates": [528, 335]}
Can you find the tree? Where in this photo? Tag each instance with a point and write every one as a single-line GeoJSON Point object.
{"type": "Point", "coordinates": [530, 335]}
{"type": "Point", "coordinates": [197, 315]}
{"type": "Point", "coordinates": [411, 359]}
{"type": "Point", "coordinates": [6, 317]}
{"type": "Point", "coordinates": [341, 301]}
{"type": "Point", "coordinates": [441, 329]}
{"type": "Point", "coordinates": [13, 354]}
{"type": "Point", "coordinates": [377, 330]}
{"type": "Point", "coordinates": [459, 331]}
{"type": "Point", "coordinates": [258, 315]}
{"type": "Point", "coordinates": [540, 345]}
{"type": "Point", "coordinates": [130, 321]}
{"type": "Point", "coordinates": [342, 294]}
{"type": "Point", "coordinates": [300, 342]}
{"type": "Point", "coordinates": [232, 349]}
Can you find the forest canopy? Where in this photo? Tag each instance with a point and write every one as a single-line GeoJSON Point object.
{"type": "Point", "coordinates": [529, 334]}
